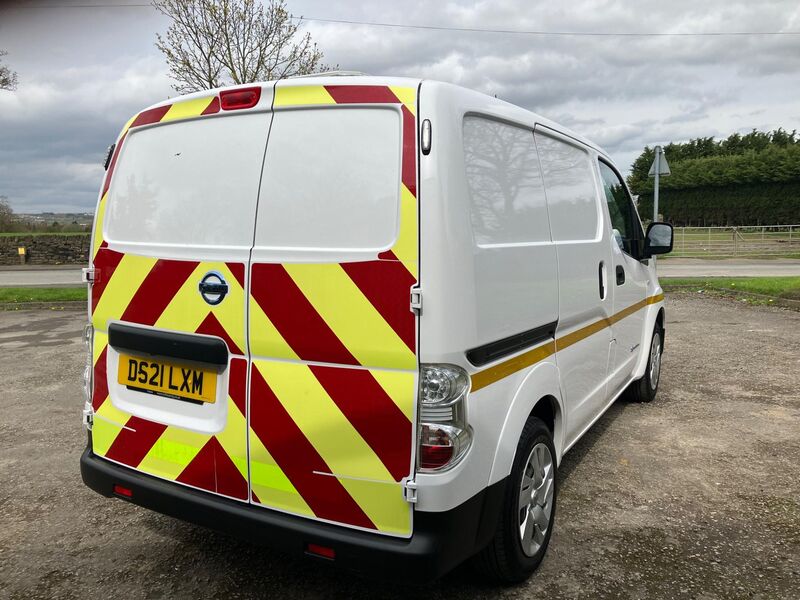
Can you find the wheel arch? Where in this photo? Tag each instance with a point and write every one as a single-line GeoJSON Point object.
{"type": "Point", "coordinates": [655, 314]}
{"type": "Point", "coordinates": [539, 394]}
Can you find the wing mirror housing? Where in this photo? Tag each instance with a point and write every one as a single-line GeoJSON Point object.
{"type": "Point", "coordinates": [658, 239]}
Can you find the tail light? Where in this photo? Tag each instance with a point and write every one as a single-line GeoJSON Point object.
{"type": "Point", "coordinates": [444, 435]}
{"type": "Point", "coordinates": [88, 373]}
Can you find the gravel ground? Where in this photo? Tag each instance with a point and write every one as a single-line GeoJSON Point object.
{"type": "Point", "coordinates": [694, 496]}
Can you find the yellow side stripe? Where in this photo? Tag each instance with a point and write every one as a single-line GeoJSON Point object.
{"type": "Point", "coordinates": [508, 367]}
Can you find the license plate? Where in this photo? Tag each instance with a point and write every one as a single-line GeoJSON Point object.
{"type": "Point", "coordinates": [167, 379]}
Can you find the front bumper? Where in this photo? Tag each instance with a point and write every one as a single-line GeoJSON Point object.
{"type": "Point", "coordinates": [440, 540]}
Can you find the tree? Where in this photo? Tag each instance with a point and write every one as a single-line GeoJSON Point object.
{"type": "Point", "coordinates": [8, 78]}
{"type": "Point", "coordinates": [6, 214]}
{"type": "Point", "coordinates": [212, 43]}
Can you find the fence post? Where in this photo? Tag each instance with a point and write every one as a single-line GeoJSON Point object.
{"type": "Point", "coordinates": [735, 245]}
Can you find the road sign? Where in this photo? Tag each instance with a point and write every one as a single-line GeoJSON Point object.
{"type": "Point", "coordinates": [659, 167]}
{"type": "Point", "coordinates": [663, 166]}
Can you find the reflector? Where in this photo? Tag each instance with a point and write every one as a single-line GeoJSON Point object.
{"type": "Point", "coordinates": [322, 551]}
{"type": "Point", "coordinates": [123, 491]}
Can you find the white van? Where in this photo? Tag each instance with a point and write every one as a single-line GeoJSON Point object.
{"type": "Point", "coordinates": [361, 319]}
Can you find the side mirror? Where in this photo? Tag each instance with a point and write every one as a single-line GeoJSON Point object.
{"type": "Point", "coordinates": [658, 239]}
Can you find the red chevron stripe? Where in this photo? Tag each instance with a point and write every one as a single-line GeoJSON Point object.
{"type": "Point", "coordinates": [212, 108]}
{"type": "Point", "coordinates": [148, 117]}
{"type": "Point", "coordinates": [237, 384]}
{"type": "Point", "coordinates": [238, 272]}
{"type": "Point", "coordinates": [362, 94]}
{"type": "Point", "coordinates": [298, 459]}
{"type": "Point", "coordinates": [387, 285]}
{"type": "Point", "coordinates": [112, 164]}
{"type": "Point", "coordinates": [105, 264]}
{"type": "Point", "coordinates": [295, 318]}
{"type": "Point", "coordinates": [213, 470]}
{"type": "Point", "coordinates": [373, 414]}
{"type": "Point", "coordinates": [409, 166]}
{"type": "Point", "coordinates": [99, 381]}
{"type": "Point", "coordinates": [157, 290]}
{"type": "Point", "coordinates": [134, 441]}
{"type": "Point", "coordinates": [212, 326]}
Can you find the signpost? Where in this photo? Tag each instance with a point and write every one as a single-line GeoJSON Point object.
{"type": "Point", "coordinates": [658, 168]}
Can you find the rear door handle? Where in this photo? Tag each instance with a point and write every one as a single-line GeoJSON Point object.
{"type": "Point", "coordinates": [620, 275]}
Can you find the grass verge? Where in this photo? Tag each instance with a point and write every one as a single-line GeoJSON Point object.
{"type": "Point", "coordinates": [756, 290]}
{"type": "Point", "coordinates": [42, 294]}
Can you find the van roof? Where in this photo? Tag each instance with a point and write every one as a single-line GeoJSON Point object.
{"type": "Point", "coordinates": [355, 78]}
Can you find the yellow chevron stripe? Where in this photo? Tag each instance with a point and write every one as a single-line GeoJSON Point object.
{"type": "Point", "coordinates": [108, 422]}
{"type": "Point", "coordinates": [301, 95]}
{"type": "Point", "coordinates": [270, 483]}
{"type": "Point", "coordinates": [508, 367]}
{"type": "Point", "coordinates": [406, 246]}
{"type": "Point", "coordinates": [338, 443]}
{"type": "Point", "coordinates": [265, 340]}
{"type": "Point", "coordinates": [97, 236]}
{"type": "Point", "coordinates": [400, 386]}
{"type": "Point", "coordinates": [353, 319]}
{"type": "Point", "coordinates": [406, 95]}
{"type": "Point", "coordinates": [187, 309]}
{"type": "Point", "coordinates": [100, 341]}
{"type": "Point", "coordinates": [187, 109]}
{"type": "Point", "coordinates": [173, 450]}
{"type": "Point", "coordinates": [233, 438]}
{"type": "Point", "coordinates": [127, 278]}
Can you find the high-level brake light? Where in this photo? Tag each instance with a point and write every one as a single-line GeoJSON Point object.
{"type": "Point", "coordinates": [241, 98]}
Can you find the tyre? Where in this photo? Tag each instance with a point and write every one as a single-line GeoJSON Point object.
{"type": "Point", "coordinates": [528, 512]}
{"type": "Point", "coordinates": [646, 388]}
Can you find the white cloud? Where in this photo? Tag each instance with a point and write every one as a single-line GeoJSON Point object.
{"type": "Point", "coordinates": [84, 72]}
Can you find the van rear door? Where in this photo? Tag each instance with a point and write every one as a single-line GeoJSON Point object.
{"type": "Point", "coordinates": [332, 335]}
{"type": "Point", "coordinates": [171, 245]}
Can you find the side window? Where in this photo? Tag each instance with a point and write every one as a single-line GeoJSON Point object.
{"type": "Point", "coordinates": [571, 193]}
{"type": "Point", "coordinates": [507, 201]}
{"type": "Point", "coordinates": [624, 223]}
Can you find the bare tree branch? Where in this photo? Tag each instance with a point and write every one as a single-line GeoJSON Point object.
{"type": "Point", "coordinates": [8, 78]}
{"type": "Point", "coordinates": [212, 43]}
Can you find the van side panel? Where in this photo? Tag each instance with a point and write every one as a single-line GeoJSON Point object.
{"type": "Point", "coordinates": [583, 342]}
{"type": "Point", "coordinates": [333, 338]}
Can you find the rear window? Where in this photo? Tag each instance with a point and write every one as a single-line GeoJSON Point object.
{"type": "Point", "coordinates": [192, 183]}
{"type": "Point", "coordinates": [331, 180]}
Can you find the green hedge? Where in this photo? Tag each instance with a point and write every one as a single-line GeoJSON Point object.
{"type": "Point", "coordinates": [749, 204]}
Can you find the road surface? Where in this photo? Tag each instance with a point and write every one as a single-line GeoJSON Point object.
{"type": "Point", "coordinates": [728, 267]}
{"type": "Point", "coordinates": [692, 496]}
{"type": "Point", "coordinates": [672, 267]}
{"type": "Point", "coordinates": [44, 276]}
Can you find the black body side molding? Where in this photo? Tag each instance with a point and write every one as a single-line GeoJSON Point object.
{"type": "Point", "coordinates": [514, 343]}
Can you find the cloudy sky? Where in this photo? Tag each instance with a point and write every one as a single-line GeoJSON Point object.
{"type": "Point", "coordinates": [85, 70]}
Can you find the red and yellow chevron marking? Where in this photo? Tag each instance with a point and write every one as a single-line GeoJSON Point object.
{"type": "Point", "coordinates": [163, 293]}
{"type": "Point", "coordinates": [328, 442]}
{"type": "Point", "coordinates": [333, 414]}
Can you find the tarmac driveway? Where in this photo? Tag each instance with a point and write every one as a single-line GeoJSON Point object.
{"type": "Point", "coordinates": [693, 496]}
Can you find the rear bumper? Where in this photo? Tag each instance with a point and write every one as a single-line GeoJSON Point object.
{"type": "Point", "coordinates": [440, 540]}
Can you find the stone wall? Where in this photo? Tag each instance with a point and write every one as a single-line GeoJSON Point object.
{"type": "Point", "coordinates": [45, 249]}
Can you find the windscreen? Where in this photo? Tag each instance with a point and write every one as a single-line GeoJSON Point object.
{"type": "Point", "coordinates": [331, 180]}
{"type": "Point", "coordinates": [192, 183]}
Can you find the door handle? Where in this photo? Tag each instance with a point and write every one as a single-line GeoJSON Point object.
{"type": "Point", "coordinates": [620, 275]}
{"type": "Point", "coordinates": [601, 276]}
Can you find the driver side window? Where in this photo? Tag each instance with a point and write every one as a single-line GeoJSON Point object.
{"type": "Point", "coordinates": [624, 223]}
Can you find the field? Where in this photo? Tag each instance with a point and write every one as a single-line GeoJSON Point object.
{"type": "Point", "coordinates": [720, 242]}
